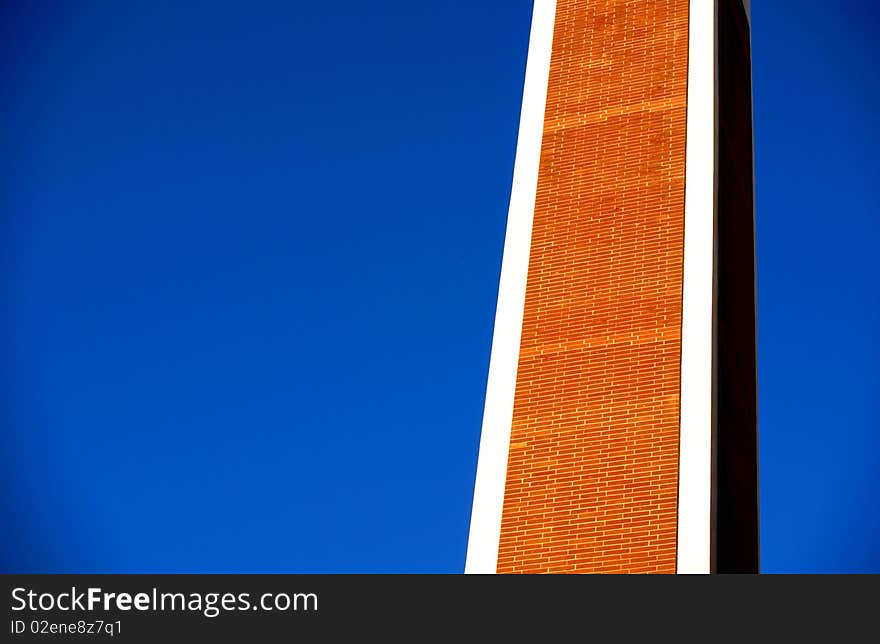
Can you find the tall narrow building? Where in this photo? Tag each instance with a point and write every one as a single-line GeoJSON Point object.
{"type": "Point", "coordinates": [620, 426]}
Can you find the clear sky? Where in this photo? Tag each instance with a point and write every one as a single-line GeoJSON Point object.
{"type": "Point", "coordinates": [250, 255]}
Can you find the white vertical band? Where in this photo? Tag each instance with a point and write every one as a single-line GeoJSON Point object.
{"type": "Point", "coordinates": [695, 437]}
{"type": "Point", "coordinates": [485, 531]}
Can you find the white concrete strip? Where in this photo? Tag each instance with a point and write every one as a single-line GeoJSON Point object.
{"type": "Point", "coordinates": [485, 530]}
{"type": "Point", "coordinates": [695, 443]}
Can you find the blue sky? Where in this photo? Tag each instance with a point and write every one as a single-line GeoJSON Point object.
{"type": "Point", "coordinates": [250, 259]}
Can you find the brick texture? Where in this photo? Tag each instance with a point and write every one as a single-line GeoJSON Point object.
{"type": "Point", "coordinates": [593, 471]}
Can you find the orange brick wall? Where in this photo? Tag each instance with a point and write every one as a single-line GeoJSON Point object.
{"type": "Point", "coordinates": [592, 475]}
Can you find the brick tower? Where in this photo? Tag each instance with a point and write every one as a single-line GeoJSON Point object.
{"type": "Point", "coordinates": [620, 427]}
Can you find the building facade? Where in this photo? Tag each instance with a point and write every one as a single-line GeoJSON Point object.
{"type": "Point", "coordinates": [620, 426]}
